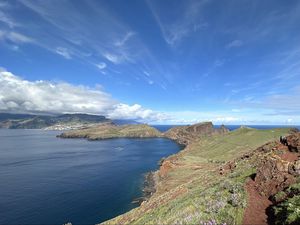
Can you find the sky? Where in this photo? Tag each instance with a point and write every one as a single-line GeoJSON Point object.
{"type": "Point", "coordinates": [159, 62]}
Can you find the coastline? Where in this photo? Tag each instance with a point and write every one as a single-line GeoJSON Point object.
{"type": "Point", "coordinates": [151, 178]}
{"type": "Point", "coordinates": [190, 184]}
{"type": "Point", "coordinates": [198, 167]}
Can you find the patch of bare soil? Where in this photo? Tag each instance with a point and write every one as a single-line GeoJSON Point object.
{"type": "Point", "coordinates": [289, 156]}
{"type": "Point", "coordinates": [255, 213]}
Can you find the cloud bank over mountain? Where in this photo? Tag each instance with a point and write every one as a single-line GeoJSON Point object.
{"type": "Point", "coordinates": [23, 96]}
{"type": "Point", "coordinates": [18, 95]}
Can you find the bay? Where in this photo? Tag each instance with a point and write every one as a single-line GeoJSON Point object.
{"type": "Point", "coordinates": [47, 180]}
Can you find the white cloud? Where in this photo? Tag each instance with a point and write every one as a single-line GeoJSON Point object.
{"type": "Point", "coordinates": [64, 52]}
{"type": "Point", "coordinates": [112, 57]}
{"type": "Point", "coordinates": [17, 94]}
{"type": "Point", "coordinates": [287, 101]}
{"type": "Point", "coordinates": [7, 20]}
{"type": "Point", "coordinates": [226, 119]}
{"type": "Point", "coordinates": [19, 38]}
{"type": "Point", "coordinates": [100, 37]}
{"type": "Point", "coordinates": [136, 112]}
{"type": "Point", "coordinates": [22, 96]}
{"type": "Point", "coordinates": [182, 24]}
{"type": "Point", "coordinates": [234, 44]}
{"type": "Point", "coordinates": [127, 36]}
{"type": "Point", "coordinates": [14, 37]}
{"type": "Point", "coordinates": [101, 65]}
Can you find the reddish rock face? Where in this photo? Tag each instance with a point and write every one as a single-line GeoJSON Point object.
{"type": "Point", "coordinates": [205, 128]}
{"type": "Point", "coordinates": [277, 171]}
{"type": "Point", "coordinates": [186, 134]}
{"type": "Point", "coordinates": [274, 174]}
{"type": "Point", "coordinates": [293, 142]}
{"type": "Point", "coordinates": [294, 168]}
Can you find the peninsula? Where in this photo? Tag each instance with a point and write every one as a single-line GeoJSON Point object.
{"type": "Point", "coordinates": [110, 130]}
{"type": "Point", "coordinates": [246, 176]}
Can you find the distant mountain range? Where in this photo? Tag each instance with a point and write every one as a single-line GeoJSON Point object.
{"type": "Point", "coordinates": [54, 122]}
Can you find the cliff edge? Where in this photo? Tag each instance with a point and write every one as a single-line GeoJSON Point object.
{"type": "Point", "coordinates": [186, 134]}
{"type": "Point", "coordinates": [220, 177]}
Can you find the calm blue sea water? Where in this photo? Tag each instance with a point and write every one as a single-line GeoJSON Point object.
{"type": "Point", "coordinates": [46, 180]}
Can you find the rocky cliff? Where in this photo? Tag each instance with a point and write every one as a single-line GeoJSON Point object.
{"type": "Point", "coordinates": [180, 134]}
{"type": "Point", "coordinates": [209, 181]}
{"type": "Point", "coordinates": [186, 134]}
{"type": "Point", "coordinates": [220, 177]}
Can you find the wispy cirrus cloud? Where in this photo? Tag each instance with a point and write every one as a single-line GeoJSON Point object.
{"type": "Point", "coordinates": [4, 18]}
{"type": "Point", "coordinates": [72, 31]}
{"type": "Point", "coordinates": [100, 37]}
{"type": "Point", "coordinates": [288, 101]}
{"type": "Point", "coordinates": [101, 65]}
{"type": "Point", "coordinates": [114, 58]}
{"type": "Point", "coordinates": [122, 41]}
{"type": "Point", "coordinates": [109, 40]}
{"type": "Point", "coordinates": [15, 37]}
{"type": "Point", "coordinates": [64, 52]}
{"type": "Point", "coordinates": [178, 26]}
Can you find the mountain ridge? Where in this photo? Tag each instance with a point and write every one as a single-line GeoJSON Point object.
{"type": "Point", "coordinates": [66, 121]}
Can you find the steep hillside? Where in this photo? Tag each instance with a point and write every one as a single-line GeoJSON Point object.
{"type": "Point", "coordinates": [206, 182]}
{"type": "Point", "coordinates": [186, 134]}
{"type": "Point", "coordinates": [60, 122]}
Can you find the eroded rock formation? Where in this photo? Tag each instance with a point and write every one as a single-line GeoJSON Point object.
{"type": "Point", "coordinates": [273, 175]}
{"type": "Point", "coordinates": [185, 134]}
{"type": "Point", "coordinates": [293, 142]}
{"type": "Point", "coordinates": [276, 172]}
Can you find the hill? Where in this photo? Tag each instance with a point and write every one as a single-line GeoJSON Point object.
{"type": "Point", "coordinates": [54, 122]}
{"type": "Point", "coordinates": [109, 130]}
{"type": "Point", "coordinates": [222, 178]}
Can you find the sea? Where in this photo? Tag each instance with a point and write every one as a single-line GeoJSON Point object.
{"type": "Point", "coordinates": [48, 180]}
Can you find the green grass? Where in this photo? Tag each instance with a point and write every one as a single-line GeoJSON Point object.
{"type": "Point", "coordinates": [288, 212]}
{"type": "Point", "coordinates": [204, 194]}
{"type": "Point", "coordinates": [107, 131]}
{"type": "Point", "coordinates": [235, 143]}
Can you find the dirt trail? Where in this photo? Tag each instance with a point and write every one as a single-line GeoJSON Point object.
{"type": "Point", "coordinates": [255, 213]}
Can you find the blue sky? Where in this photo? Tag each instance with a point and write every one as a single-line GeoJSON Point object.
{"type": "Point", "coordinates": [232, 62]}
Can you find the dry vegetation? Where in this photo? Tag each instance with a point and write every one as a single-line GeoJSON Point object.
{"type": "Point", "coordinates": [191, 189]}
{"type": "Point", "coordinates": [108, 130]}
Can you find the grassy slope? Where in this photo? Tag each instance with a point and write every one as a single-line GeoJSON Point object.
{"type": "Point", "coordinates": [193, 191]}
{"type": "Point", "coordinates": [112, 131]}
